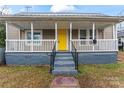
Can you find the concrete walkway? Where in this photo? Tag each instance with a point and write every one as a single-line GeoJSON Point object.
{"type": "Point", "coordinates": [65, 82]}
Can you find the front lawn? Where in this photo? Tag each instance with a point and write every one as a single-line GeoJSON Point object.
{"type": "Point", "coordinates": [102, 75]}
{"type": "Point", "coordinates": [25, 76]}
{"type": "Point", "coordinates": [97, 75]}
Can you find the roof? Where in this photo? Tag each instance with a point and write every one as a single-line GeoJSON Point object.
{"type": "Point", "coordinates": [57, 14]}
{"type": "Point", "coordinates": [60, 16]}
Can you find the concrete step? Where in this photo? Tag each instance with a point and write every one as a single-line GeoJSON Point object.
{"type": "Point", "coordinates": [64, 58]}
{"type": "Point", "coordinates": [64, 55]}
{"type": "Point", "coordinates": [64, 70]}
{"type": "Point", "coordinates": [64, 63]}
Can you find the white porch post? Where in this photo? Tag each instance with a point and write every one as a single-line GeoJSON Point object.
{"type": "Point", "coordinates": [56, 36]}
{"type": "Point", "coordinates": [114, 32]}
{"type": "Point", "coordinates": [32, 36]}
{"type": "Point", "coordinates": [93, 33]}
{"type": "Point", "coordinates": [115, 37]}
{"type": "Point", "coordinates": [113, 28]}
{"type": "Point", "coordinates": [70, 37]}
{"type": "Point", "coordinates": [6, 35]}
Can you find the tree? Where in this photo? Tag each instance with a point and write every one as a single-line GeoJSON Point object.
{"type": "Point", "coordinates": [2, 35]}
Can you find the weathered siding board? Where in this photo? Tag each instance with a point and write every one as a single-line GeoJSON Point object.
{"type": "Point", "coordinates": [48, 34]}
{"type": "Point", "coordinates": [108, 32]}
{"type": "Point", "coordinates": [13, 32]}
{"type": "Point", "coordinates": [27, 58]}
{"type": "Point", "coordinates": [97, 58]}
{"type": "Point", "coordinates": [75, 34]}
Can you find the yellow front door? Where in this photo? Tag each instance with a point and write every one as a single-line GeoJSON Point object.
{"type": "Point", "coordinates": [62, 40]}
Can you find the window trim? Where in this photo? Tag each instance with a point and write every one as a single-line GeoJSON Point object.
{"type": "Point", "coordinates": [79, 33]}
{"type": "Point", "coordinates": [41, 36]}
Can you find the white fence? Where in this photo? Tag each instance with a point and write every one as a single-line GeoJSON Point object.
{"type": "Point", "coordinates": [29, 46]}
{"type": "Point", "coordinates": [87, 45]}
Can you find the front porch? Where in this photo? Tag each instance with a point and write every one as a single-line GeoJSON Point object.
{"type": "Point", "coordinates": [41, 36]}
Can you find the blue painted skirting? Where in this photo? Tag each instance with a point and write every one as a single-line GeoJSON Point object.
{"type": "Point", "coordinates": [97, 58]}
{"type": "Point", "coordinates": [27, 58]}
{"type": "Point", "coordinates": [44, 58]}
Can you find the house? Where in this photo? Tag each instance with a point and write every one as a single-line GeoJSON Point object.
{"type": "Point", "coordinates": [32, 37]}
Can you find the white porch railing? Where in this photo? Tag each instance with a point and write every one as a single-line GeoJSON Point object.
{"type": "Point", "coordinates": [47, 45]}
{"type": "Point", "coordinates": [29, 46]}
{"type": "Point", "coordinates": [101, 45]}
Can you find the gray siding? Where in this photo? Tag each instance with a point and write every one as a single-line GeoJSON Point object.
{"type": "Point", "coordinates": [13, 32]}
{"type": "Point", "coordinates": [108, 32]}
{"type": "Point", "coordinates": [75, 34]}
{"type": "Point", "coordinates": [48, 34]}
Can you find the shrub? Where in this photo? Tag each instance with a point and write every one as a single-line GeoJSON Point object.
{"type": "Point", "coordinates": [2, 35]}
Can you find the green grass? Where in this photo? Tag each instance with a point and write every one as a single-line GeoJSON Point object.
{"type": "Point", "coordinates": [97, 75]}
{"type": "Point", "coordinates": [25, 76]}
{"type": "Point", "coordinates": [101, 75]}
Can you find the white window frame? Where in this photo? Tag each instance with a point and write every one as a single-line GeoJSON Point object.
{"type": "Point", "coordinates": [41, 36]}
{"type": "Point", "coordinates": [87, 35]}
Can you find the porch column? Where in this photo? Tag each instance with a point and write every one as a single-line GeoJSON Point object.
{"type": "Point", "coordinates": [115, 37]}
{"type": "Point", "coordinates": [70, 37]}
{"type": "Point", "coordinates": [56, 35]}
{"type": "Point", "coordinates": [32, 36]}
{"type": "Point", "coordinates": [6, 35]}
{"type": "Point", "coordinates": [93, 33]}
{"type": "Point", "coordinates": [114, 32]}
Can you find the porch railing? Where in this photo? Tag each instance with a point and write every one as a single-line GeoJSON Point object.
{"type": "Point", "coordinates": [52, 58]}
{"type": "Point", "coordinates": [87, 45]}
{"type": "Point", "coordinates": [29, 45]}
{"type": "Point", "coordinates": [75, 56]}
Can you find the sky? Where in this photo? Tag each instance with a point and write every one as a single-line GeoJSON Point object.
{"type": "Point", "coordinates": [105, 9]}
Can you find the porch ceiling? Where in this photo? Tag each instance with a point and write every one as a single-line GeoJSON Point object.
{"type": "Point", "coordinates": [61, 24]}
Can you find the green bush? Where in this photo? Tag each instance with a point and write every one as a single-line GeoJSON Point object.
{"type": "Point", "coordinates": [2, 35]}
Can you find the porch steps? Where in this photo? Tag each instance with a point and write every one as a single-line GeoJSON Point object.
{"type": "Point", "coordinates": [64, 64]}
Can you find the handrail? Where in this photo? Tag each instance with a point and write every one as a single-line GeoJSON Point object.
{"type": "Point", "coordinates": [75, 56]}
{"type": "Point", "coordinates": [52, 58]}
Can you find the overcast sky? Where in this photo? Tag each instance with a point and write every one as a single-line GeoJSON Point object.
{"type": "Point", "coordinates": [108, 10]}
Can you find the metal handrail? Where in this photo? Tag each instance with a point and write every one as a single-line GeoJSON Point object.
{"type": "Point", "coordinates": [75, 56]}
{"type": "Point", "coordinates": [52, 58]}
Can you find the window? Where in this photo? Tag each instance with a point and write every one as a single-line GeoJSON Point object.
{"type": "Point", "coordinates": [36, 36]}
{"type": "Point", "coordinates": [82, 35]}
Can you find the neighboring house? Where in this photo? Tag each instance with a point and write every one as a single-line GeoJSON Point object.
{"type": "Point", "coordinates": [31, 37]}
{"type": "Point", "coordinates": [121, 35]}
{"type": "Point", "coordinates": [120, 38]}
